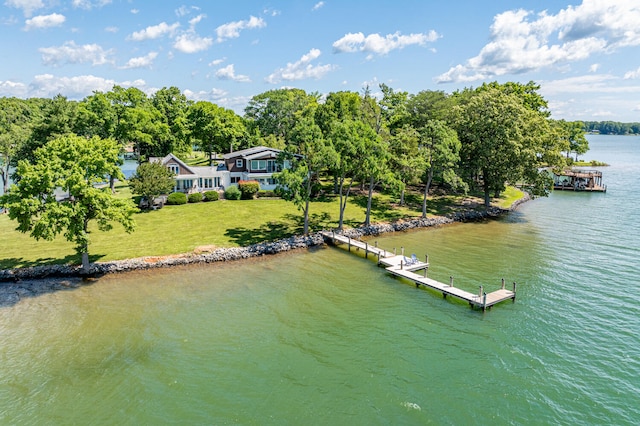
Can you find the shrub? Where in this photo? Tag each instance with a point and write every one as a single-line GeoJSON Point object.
{"type": "Point", "coordinates": [196, 197]}
{"type": "Point", "coordinates": [177, 198]}
{"type": "Point", "coordinates": [232, 193]}
{"type": "Point", "coordinates": [248, 188]}
{"type": "Point", "coordinates": [211, 196]}
{"type": "Point", "coordinates": [267, 193]}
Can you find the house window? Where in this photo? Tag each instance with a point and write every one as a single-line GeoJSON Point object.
{"type": "Point", "coordinates": [175, 169]}
{"type": "Point", "coordinates": [239, 163]}
{"type": "Point", "coordinates": [258, 165]}
{"type": "Point", "coordinates": [235, 179]}
{"type": "Point", "coordinates": [206, 183]}
{"type": "Point", "coordinates": [216, 182]}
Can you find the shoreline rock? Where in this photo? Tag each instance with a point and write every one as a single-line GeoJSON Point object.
{"type": "Point", "coordinates": [238, 253]}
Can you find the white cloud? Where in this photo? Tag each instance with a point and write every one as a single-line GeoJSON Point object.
{"type": "Point", "coordinates": [217, 62]}
{"type": "Point", "coordinates": [632, 74]}
{"type": "Point", "coordinates": [27, 6]}
{"type": "Point", "coordinates": [317, 6]}
{"type": "Point", "coordinates": [202, 95]}
{"type": "Point", "coordinates": [141, 61]}
{"type": "Point", "coordinates": [192, 43]}
{"type": "Point", "coordinates": [185, 10]}
{"type": "Point", "coordinates": [381, 45]}
{"type": "Point", "coordinates": [301, 69]}
{"type": "Point", "coordinates": [636, 108]}
{"type": "Point", "coordinates": [154, 31]}
{"type": "Point", "coordinates": [88, 4]}
{"type": "Point", "coordinates": [71, 53]}
{"type": "Point", "coordinates": [134, 11]}
{"type": "Point", "coordinates": [520, 43]}
{"type": "Point", "coordinates": [112, 29]}
{"type": "Point", "coordinates": [592, 83]}
{"type": "Point", "coordinates": [13, 89]}
{"type": "Point", "coordinates": [229, 73]}
{"type": "Point", "coordinates": [44, 21]}
{"type": "Point", "coordinates": [594, 68]}
{"type": "Point", "coordinates": [232, 29]}
{"type": "Point", "coordinates": [47, 85]}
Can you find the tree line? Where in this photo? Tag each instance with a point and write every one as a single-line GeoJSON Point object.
{"type": "Point", "coordinates": [612, 128]}
{"type": "Point", "coordinates": [480, 139]}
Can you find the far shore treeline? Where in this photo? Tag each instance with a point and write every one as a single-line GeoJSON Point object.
{"type": "Point", "coordinates": [479, 139]}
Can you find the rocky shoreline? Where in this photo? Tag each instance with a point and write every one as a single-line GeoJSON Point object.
{"type": "Point", "coordinates": [46, 278]}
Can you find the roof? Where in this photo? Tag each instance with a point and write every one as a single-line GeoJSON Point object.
{"type": "Point", "coordinates": [252, 152]}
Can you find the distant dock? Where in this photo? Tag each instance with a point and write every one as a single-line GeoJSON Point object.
{"type": "Point", "coordinates": [406, 267]}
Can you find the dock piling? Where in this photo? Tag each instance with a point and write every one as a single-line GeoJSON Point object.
{"type": "Point", "coordinates": [366, 251]}
{"type": "Point", "coordinates": [451, 281]}
{"type": "Point", "coordinates": [503, 283]}
{"type": "Point", "coordinates": [514, 291]}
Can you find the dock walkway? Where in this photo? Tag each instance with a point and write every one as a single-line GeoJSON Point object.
{"type": "Point", "coordinates": [405, 267]}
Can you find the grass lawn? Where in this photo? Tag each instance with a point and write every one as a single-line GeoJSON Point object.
{"type": "Point", "coordinates": [223, 223]}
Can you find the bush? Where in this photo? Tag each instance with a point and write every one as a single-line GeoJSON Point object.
{"type": "Point", "coordinates": [248, 189]}
{"type": "Point", "coordinates": [232, 193]}
{"type": "Point", "coordinates": [267, 193]}
{"type": "Point", "coordinates": [177, 198]}
{"type": "Point", "coordinates": [196, 197]}
{"type": "Point", "coordinates": [211, 196]}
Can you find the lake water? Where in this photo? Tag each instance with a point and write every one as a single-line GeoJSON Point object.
{"type": "Point", "coordinates": [326, 337]}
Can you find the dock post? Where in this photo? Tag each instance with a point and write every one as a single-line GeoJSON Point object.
{"type": "Point", "coordinates": [401, 262]}
{"type": "Point", "coordinates": [426, 259]}
{"type": "Point", "coordinates": [450, 281]}
{"type": "Point", "coordinates": [402, 250]}
{"type": "Point", "coordinates": [481, 290]}
{"type": "Point", "coordinates": [425, 272]}
{"type": "Point", "coordinates": [376, 244]}
{"type": "Point", "coordinates": [366, 250]}
{"type": "Point", "coordinates": [484, 301]}
{"type": "Point", "coordinates": [514, 291]}
{"type": "Point", "coordinates": [349, 243]}
{"type": "Point", "coordinates": [394, 251]}
{"type": "Point", "coordinates": [503, 283]}
{"type": "Point", "coordinates": [378, 258]}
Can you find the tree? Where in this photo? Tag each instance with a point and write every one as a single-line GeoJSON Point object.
{"type": "Point", "coordinates": [439, 148]}
{"type": "Point", "coordinates": [173, 107]}
{"type": "Point", "coordinates": [15, 129]}
{"type": "Point", "coordinates": [215, 129]}
{"type": "Point", "coordinates": [306, 155]}
{"type": "Point", "coordinates": [503, 140]}
{"type": "Point", "coordinates": [151, 180]}
{"type": "Point", "coordinates": [572, 133]}
{"type": "Point", "coordinates": [76, 166]}
{"type": "Point", "coordinates": [405, 160]}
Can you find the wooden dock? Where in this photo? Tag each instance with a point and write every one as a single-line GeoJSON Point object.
{"type": "Point", "coordinates": [406, 267]}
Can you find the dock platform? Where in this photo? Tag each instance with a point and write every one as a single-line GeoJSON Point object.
{"type": "Point", "coordinates": [406, 267]}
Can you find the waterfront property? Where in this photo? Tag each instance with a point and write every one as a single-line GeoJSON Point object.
{"type": "Point", "coordinates": [258, 163]}
{"type": "Point", "coordinates": [579, 180]}
{"type": "Point", "coordinates": [402, 266]}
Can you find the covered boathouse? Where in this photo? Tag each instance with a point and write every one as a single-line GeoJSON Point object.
{"type": "Point", "coordinates": [579, 180]}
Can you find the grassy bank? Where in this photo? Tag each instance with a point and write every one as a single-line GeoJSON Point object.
{"type": "Point", "coordinates": [181, 229]}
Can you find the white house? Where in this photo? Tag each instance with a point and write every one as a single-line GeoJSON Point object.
{"type": "Point", "coordinates": [258, 163]}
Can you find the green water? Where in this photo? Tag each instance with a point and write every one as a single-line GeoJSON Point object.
{"type": "Point", "coordinates": [324, 337]}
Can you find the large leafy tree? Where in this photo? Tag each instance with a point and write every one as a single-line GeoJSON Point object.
{"type": "Point", "coordinates": [276, 112]}
{"type": "Point", "coordinates": [307, 155]}
{"type": "Point", "coordinates": [15, 129]}
{"type": "Point", "coordinates": [214, 128]}
{"type": "Point", "coordinates": [504, 140]}
{"type": "Point", "coordinates": [572, 136]}
{"type": "Point", "coordinates": [440, 150]}
{"type": "Point", "coordinates": [173, 107]}
{"type": "Point", "coordinates": [75, 166]}
{"type": "Point", "coordinates": [151, 180]}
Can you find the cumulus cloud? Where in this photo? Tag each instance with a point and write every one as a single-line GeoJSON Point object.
{"type": "Point", "coordinates": [141, 61]}
{"type": "Point", "coordinates": [301, 69]}
{"type": "Point", "coordinates": [27, 6]}
{"type": "Point", "coordinates": [522, 42]}
{"type": "Point", "coordinates": [232, 29]}
{"type": "Point", "coordinates": [78, 87]}
{"type": "Point", "coordinates": [192, 43]}
{"type": "Point", "coordinates": [13, 89]}
{"type": "Point", "coordinates": [381, 45]}
{"type": "Point", "coordinates": [71, 53]}
{"type": "Point", "coordinates": [154, 31]}
{"type": "Point", "coordinates": [632, 74]}
{"type": "Point", "coordinates": [317, 6]}
{"type": "Point", "coordinates": [217, 62]}
{"type": "Point", "coordinates": [88, 4]}
{"type": "Point", "coordinates": [229, 73]}
{"type": "Point", "coordinates": [44, 21]}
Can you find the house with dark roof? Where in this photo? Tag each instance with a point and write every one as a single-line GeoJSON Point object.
{"type": "Point", "coordinates": [258, 163]}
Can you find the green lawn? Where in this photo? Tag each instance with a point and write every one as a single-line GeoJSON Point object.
{"type": "Point", "coordinates": [224, 223]}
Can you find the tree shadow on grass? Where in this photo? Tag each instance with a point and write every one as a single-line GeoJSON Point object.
{"type": "Point", "coordinates": [266, 232]}
{"type": "Point", "coordinates": [380, 209]}
{"type": "Point", "coordinates": [72, 259]}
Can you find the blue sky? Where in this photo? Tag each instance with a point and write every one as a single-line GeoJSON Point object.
{"type": "Point", "coordinates": [584, 53]}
